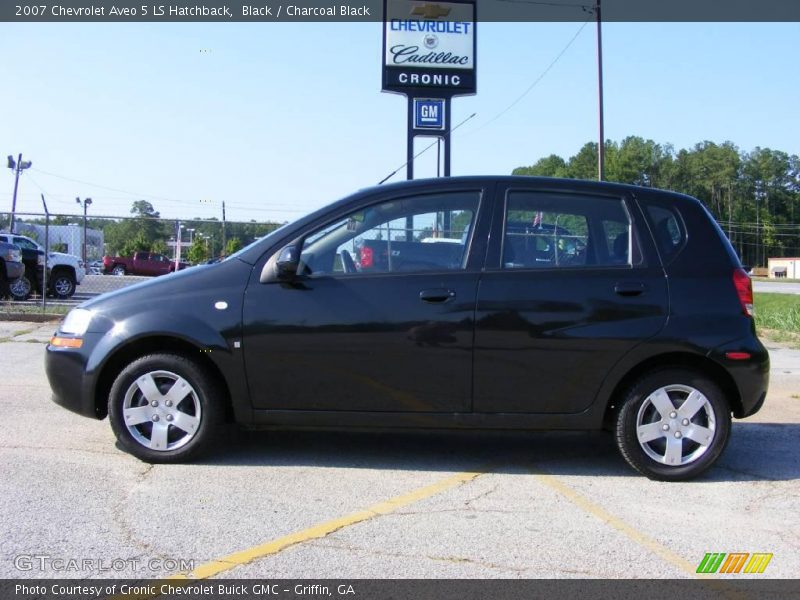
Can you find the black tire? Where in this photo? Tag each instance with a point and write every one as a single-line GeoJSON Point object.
{"type": "Point", "coordinates": [4, 291]}
{"type": "Point", "coordinates": [202, 405]}
{"type": "Point", "coordinates": [21, 289]}
{"type": "Point", "coordinates": [639, 417]}
{"type": "Point", "coordinates": [118, 270]}
{"type": "Point", "coordinates": [62, 284]}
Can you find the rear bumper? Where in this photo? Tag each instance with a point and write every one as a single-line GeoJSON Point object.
{"type": "Point", "coordinates": [751, 375]}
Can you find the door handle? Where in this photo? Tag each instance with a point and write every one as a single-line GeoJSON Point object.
{"type": "Point", "coordinates": [436, 296]}
{"type": "Point", "coordinates": [629, 288]}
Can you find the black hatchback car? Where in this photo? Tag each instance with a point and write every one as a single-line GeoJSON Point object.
{"type": "Point", "coordinates": [476, 302]}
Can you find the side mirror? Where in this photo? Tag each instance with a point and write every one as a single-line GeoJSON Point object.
{"type": "Point", "coordinates": [288, 262]}
{"type": "Point", "coordinates": [283, 265]}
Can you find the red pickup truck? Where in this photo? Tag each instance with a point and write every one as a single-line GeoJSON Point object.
{"type": "Point", "coordinates": [141, 263]}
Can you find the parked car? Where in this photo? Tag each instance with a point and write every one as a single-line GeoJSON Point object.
{"type": "Point", "coordinates": [12, 269]}
{"type": "Point", "coordinates": [634, 315]}
{"type": "Point", "coordinates": [141, 263]}
{"type": "Point", "coordinates": [64, 271]}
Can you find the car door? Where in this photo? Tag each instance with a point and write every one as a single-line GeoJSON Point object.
{"type": "Point", "coordinates": [378, 319]}
{"type": "Point", "coordinates": [571, 286]}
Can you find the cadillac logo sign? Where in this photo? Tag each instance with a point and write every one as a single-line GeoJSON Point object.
{"type": "Point", "coordinates": [429, 46]}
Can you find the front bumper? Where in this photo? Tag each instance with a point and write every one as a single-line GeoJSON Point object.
{"type": "Point", "coordinates": [72, 383]}
{"type": "Point", "coordinates": [14, 270]}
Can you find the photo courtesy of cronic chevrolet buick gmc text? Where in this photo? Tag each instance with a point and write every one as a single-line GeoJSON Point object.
{"type": "Point", "coordinates": [493, 303]}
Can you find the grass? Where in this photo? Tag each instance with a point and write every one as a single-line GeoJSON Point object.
{"type": "Point", "coordinates": [18, 308]}
{"type": "Point", "coordinates": [778, 317]}
{"type": "Point", "coordinates": [778, 311]}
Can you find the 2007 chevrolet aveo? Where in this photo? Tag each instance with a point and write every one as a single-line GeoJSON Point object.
{"type": "Point", "coordinates": [479, 302]}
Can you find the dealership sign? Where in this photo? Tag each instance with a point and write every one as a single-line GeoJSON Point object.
{"type": "Point", "coordinates": [429, 46]}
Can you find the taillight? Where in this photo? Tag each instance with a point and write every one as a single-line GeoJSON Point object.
{"type": "Point", "coordinates": [744, 289]}
{"type": "Point", "coordinates": [367, 257]}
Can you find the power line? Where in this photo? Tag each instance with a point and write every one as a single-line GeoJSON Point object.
{"type": "Point", "coordinates": [424, 150]}
{"type": "Point", "coordinates": [535, 82]}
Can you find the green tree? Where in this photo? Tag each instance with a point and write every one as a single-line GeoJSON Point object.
{"type": "Point", "coordinates": [138, 243]}
{"type": "Point", "coordinates": [234, 244]}
{"type": "Point", "coordinates": [198, 251]}
{"type": "Point", "coordinates": [159, 247]}
{"type": "Point", "coordinates": [549, 166]}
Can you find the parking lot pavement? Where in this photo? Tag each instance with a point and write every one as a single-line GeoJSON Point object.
{"type": "Point", "coordinates": [347, 505]}
{"type": "Point", "coordinates": [777, 287]}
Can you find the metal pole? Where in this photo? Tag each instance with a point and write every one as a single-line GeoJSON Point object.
{"type": "Point", "coordinates": [223, 228]}
{"type": "Point", "coordinates": [601, 150]}
{"type": "Point", "coordinates": [758, 234]}
{"type": "Point", "coordinates": [18, 170]}
{"type": "Point", "coordinates": [410, 141]}
{"type": "Point", "coordinates": [46, 253]}
{"type": "Point", "coordinates": [177, 245]}
{"type": "Point", "coordinates": [448, 137]}
{"type": "Point", "coordinates": [438, 155]}
{"type": "Point", "coordinates": [84, 231]}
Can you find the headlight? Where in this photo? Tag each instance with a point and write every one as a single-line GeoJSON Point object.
{"type": "Point", "coordinates": [13, 256]}
{"type": "Point", "coordinates": [77, 321]}
{"type": "Point", "coordinates": [40, 259]}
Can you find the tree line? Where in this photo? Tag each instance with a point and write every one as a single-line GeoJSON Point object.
{"type": "Point", "coordinates": [146, 231]}
{"type": "Point", "coordinates": [755, 196]}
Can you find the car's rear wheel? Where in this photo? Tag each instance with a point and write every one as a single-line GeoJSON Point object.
{"type": "Point", "coordinates": [164, 408]}
{"type": "Point", "coordinates": [673, 424]}
{"type": "Point", "coordinates": [118, 270]}
{"type": "Point", "coordinates": [21, 288]}
{"type": "Point", "coordinates": [62, 284]}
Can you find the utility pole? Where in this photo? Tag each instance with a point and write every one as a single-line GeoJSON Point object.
{"type": "Point", "coordinates": [86, 202]}
{"type": "Point", "coordinates": [178, 233]}
{"type": "Point", "coordinates": [19, 166]}
{"type": "Point", "coordinates": [601, 150]}
{"type": "Point", "coordinates": [223, 229]}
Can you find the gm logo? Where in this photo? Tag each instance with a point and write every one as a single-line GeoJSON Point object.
{"type": "Point", "coordinates": [735, 562]}
{"type": "Point", "coordinates": [428, 113]}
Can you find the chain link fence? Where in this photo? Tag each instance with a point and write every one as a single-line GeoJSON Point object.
{"type": "Point", "coordinates": [89, 256]}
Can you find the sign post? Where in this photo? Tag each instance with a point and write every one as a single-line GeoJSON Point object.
{"type": "Point", "coordinates": [429, 55]}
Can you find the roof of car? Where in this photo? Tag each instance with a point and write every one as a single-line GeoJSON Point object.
{"type": "Point", "coordinates": [554, 182]}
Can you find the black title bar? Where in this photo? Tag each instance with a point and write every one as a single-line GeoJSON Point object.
{"type": "Point", "coordinates": [372, 10]}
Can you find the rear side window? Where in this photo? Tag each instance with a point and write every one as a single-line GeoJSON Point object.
{"type": "Point", "coordinates": [668, 231]}
{"type": "Point", "coordinates": [551, 230]}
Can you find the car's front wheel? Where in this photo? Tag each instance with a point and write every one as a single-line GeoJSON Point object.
{"type": "Point", "coordinates": [164, 408]}
{"type": "Point", "coordinates": [118, 270]}
{"type": "Point", "coordinates": [673, 424]}
{"type": "Point", "coordinates": [21, 288]}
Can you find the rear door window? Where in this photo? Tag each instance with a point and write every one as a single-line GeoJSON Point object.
{"type": "Point", "coordinates": [668, 230]}
{"type": "Point", "coordinates": [552, 230]}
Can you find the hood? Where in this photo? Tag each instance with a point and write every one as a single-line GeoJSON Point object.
{"type": "Point", "coordinates": [176, 293]}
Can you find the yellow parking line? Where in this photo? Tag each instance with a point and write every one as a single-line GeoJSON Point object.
{"type": "Point", "coordinates": [637, 536]}
{"type": "Point", "coordinates": [226, 563]}
{"type": "Point", "coordinates": [231, 561]}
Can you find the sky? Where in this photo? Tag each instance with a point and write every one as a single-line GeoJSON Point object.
{"type": "Point", "coordinates": [278, 119]}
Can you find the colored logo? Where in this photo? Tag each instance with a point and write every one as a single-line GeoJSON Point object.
{"type": "Point", "coordinates": [430, 41]}
{"type": "Point", "coordinates": [428, 113]}
{"type": "Point", "coordinates": [430, 11]}
{"type": "Point", "coordinates": [735, 562]}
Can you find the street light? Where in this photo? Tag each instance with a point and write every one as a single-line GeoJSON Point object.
{"type": "Point", "coordinates": [86, 202]}
{"type": "Point", "coordinates": [18, 167]}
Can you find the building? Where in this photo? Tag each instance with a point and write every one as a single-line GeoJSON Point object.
{"type": "Point", "coordinates": [66, 238]}
{"type": "Point", "coordinates": [788, 267]}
